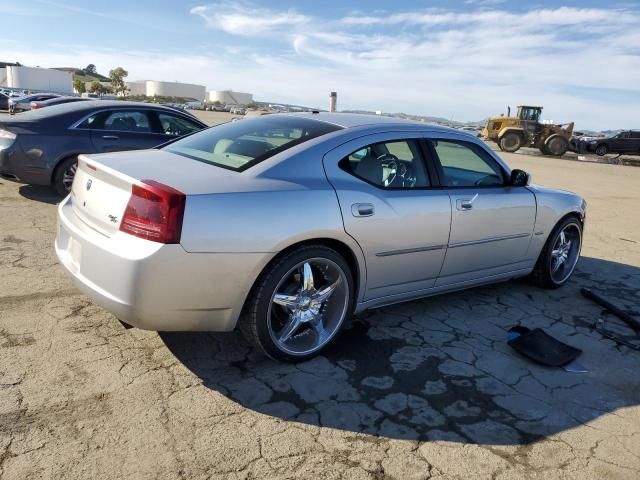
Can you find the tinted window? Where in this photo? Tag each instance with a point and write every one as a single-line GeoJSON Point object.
{"type": "Point", "coordinates": [239, 145]}
{"type": "Point", "coordinates": [127, 121]}
{"type": "Point", "coordinates": [466, 165]}
{"type": "Point", "coordinates": [118, 120]}
{"type": "Point", "coordinates": [176, 126]}
{"type": "Point", "coordinates": [393, 164]}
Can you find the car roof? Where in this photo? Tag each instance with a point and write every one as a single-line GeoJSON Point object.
{"type": "Point", "coordinates": [90, 105]}
{"type": "Point", "coordinates": [352, 120]}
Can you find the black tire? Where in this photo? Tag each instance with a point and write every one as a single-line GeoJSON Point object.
{"type": "Point", "coordinates": [544, 150]}
{"type": "Point", "coordinates": [59, 181]}
{"type": "Point", "coordinates": [557, 145]}
{"type": "Point", "coordinates": [254, 319]}
{"type": "Point", "coordinates": [602, 150]}
{"type": "Point", "coordinates": [542, 272]}
{"type": "Point", "coordinates": [511, 142]}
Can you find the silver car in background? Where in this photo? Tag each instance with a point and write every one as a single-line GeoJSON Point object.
{"type": "Point", "coordinates": [285, 225]}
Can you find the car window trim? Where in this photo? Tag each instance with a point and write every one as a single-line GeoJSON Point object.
{"type": "Point", "coordinates": [486, 156]}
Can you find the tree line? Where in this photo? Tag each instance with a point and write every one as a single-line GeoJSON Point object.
{"type": "Point", "coordinates": [117, 87]}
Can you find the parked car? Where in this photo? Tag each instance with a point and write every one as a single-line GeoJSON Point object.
{"type": "Point", "coordinates": [41, 146]}
{"type": "Point", "coordinates": [22, 104]}
{"type": "Point", "coordinates": [285, 225]}
{"type": "Point", "coordinates": [627, 141]}
{"type": "Point", "coordinates": [56, 101]}
{"type": "Point", "coordinates": [4, 101]}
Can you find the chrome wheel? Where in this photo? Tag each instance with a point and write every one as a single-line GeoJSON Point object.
{"type": "Point", "coordinates": [308, 306]}
{"type": "Point", "coordinates": [565, 253]}
{"type": "Point", "coordinates": [67, 176]}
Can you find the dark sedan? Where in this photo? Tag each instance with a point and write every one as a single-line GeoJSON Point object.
{"type": "Point", "coordinates": [23, 104]}
{"type": "Point", "coordinates": [57, 101]}
{"type": "Point", "coordinates": [41, 146]}
{"type": "Point", "coordinates": [627, 141]}
{"type": "Point", "coordinates": [4, 101]}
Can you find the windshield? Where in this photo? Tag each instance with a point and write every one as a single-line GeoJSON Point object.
{"type": "Point", "coordinates": [239, 145]}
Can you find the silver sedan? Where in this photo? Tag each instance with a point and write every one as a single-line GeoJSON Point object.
{"type": "Point", "coordinates": [285, 225]}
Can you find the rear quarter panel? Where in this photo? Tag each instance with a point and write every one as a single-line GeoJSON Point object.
{"type": "Point", "coordinates": [46, 143]}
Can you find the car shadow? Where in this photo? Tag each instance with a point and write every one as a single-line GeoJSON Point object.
{"type": "Point", "coordinates": [440, 368]}
{"type": "Point", "coordinates": [39, 193]}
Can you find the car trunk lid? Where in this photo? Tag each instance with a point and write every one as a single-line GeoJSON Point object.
{"type": "Point", "coordinates": [99, 195]}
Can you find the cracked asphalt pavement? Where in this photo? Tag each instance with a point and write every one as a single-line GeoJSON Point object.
{"type": "Point", "coordinates": [426, 389]}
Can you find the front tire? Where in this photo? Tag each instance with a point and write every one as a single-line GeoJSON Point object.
{"type": "Point", "coordinates": [299, 304]}
{"type": "Point", "coordinates": [557, 145]}
{"type": "Point", "coordinates": [559, 257]}
{"type": "Point", "coordinates": [511, 142]}
{"type": "Point", "coordinates": [63, 176]}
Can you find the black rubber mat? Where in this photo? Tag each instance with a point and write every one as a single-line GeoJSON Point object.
{"type": "Point", "coordinates": [541, 347]}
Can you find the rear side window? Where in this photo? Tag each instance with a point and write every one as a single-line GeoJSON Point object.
{"type": "Point", "coordinates": [118, 121]}
{"type": "Point", "coordinates": [396, 164]}
{"type": "Point", "coordinates": [244, 143]}
{"type": "Point", "coordinates": [466, 165]}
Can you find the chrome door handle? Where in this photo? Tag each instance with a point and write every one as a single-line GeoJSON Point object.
{"type": "Point", "coordinates": [465, 203]}
{"type": "Point", "coordinates": [110, 137]}
{"type": "Point", "coordinates": [362, 209]}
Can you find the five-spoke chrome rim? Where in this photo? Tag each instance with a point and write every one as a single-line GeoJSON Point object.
{"type": "Point", "coordinates": [308, 306]}
{"type": "Point", "coordinates": [67, 177]}
{"type": "Point", "coordinates": [565, 253]}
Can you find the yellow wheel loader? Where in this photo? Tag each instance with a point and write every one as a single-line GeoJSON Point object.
{"type": "Point", "coordinates": [525, 130]}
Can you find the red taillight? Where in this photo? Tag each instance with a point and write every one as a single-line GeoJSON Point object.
{"type": "Point", "coordinates": [154, 212]}
{"type": "Point", "coordinates": [35, 106]}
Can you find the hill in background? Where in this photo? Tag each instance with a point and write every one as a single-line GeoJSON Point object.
{"type": "Point", "coordinates": [79, 74]}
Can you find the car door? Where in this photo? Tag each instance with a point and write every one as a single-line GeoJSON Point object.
{"type": "Point", "coordinates": [116, 130]}
{"type": "Point", "coordinates": [384, 188]}
{"type": "Point", "coordinates": [491, 222]}
{"type": "Point", "coordinates": [625, 143]}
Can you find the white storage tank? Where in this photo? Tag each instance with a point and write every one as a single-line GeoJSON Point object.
{"type": "Point", "coordinates": [175, 89]}
{"type": "Point", "coordinates": [228, 97]}
{"type": "Point", "coordinates": [42, 79]}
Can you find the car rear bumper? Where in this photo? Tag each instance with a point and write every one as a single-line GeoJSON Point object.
{"type": "Point", "coordinates": [155, 286]}
{"type": "Point", "coordinates": [13, 166]}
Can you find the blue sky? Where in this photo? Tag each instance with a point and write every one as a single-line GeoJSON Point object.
{"type": "Point", "coordinates": [461, 59]}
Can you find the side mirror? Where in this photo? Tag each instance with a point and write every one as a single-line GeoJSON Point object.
{"type": "Point", "coordinates": [519, 178]}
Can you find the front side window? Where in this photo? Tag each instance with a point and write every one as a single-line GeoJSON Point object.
{"type": "Point", "coordinates": [242, 144]}
{"type": "Point", "coordinates": [466, 165]}
{"type": "Point", "coordinates": [392, 164]}
{"type": "Point", "coordinates": [176, 126]}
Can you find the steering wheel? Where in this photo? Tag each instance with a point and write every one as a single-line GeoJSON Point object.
{"type": "Point", "coordinates": [390, 162]}
{"type": "Point", "coordinates": [400, 172]}
{"type": "Point", "coordinates": [408, 176]}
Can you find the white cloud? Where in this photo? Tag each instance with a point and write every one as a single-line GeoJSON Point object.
{"type": "Point", "coordinates": [246, 19]}
{"type": "Point", "coordinates": [578, 63]}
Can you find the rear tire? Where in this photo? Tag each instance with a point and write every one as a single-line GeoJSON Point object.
{"type": "Point", "coordinates": [601, 150]}
{"type": "Point", "coordinates": [557, 145]}
{"type": "Point", "coordinates": [511, 142]}
{"type": "Point", "coordinates": [63, 176]}
{"type": "Point", "coordinates": [551, 271]}
{"type": "Point", "coordinates": [266, 319]}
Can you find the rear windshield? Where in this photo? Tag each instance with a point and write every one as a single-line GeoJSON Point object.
{"type": "Point", "coordinates": [244, 143]}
